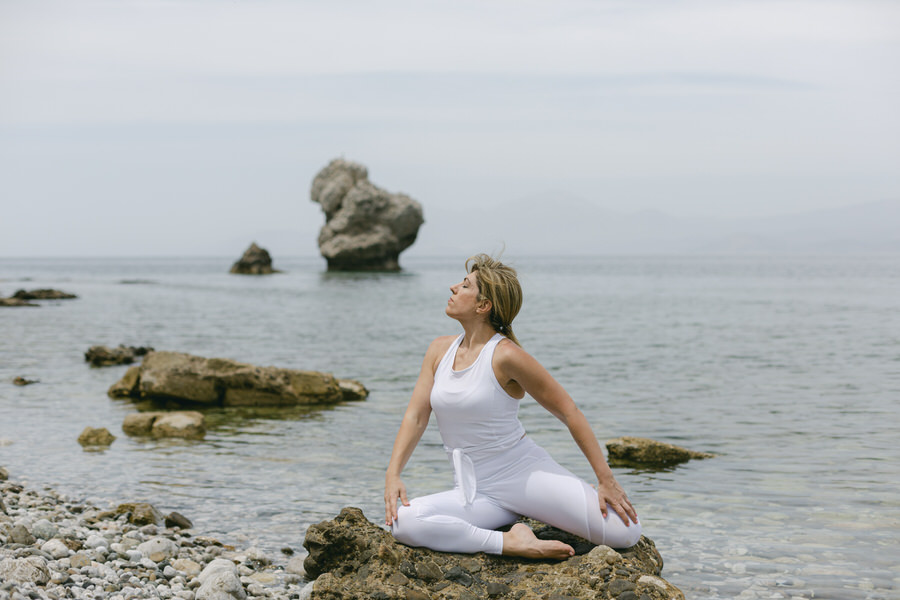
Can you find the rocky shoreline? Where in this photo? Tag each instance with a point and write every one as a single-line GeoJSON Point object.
{"type": "Point", "coordinates": [53, 546]}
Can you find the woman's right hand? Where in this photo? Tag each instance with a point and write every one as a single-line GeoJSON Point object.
{"type": "Point", "coordinates": [393, 490]}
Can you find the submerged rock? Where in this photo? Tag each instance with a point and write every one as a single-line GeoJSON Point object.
{"type": "Point", "coordinates": [21, 381]}
{"type": "Point", "coordinates": [644, 452]}
{"type": "Point", "coordinates": [103, 356]}
{"type": "Point", "coordinates": [352, 558]}
{"type": "Point", "coordinates": [255, 261]}
{"type": "Point", "coordinates": [173, 376]}
{"type": "Point", "coordinates": [366, 228]}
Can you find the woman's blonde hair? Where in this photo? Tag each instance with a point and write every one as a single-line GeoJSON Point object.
{"type": "Point", "coordinates": [499, 284]}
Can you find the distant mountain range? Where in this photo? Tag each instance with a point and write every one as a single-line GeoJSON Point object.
{"type": "Point", "coordinates": [565, 225]}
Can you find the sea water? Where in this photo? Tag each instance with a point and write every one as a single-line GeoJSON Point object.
{"type": "Point", "coordinates": [786, 368]}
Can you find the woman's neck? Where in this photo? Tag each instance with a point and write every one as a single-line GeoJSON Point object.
{"type": "Point", "coordinates": [477, 333]}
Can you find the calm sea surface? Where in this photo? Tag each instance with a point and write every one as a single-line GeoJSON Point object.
{"type": "Point", "coordinates": [787, 368]}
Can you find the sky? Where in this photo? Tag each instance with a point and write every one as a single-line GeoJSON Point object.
{"type": "Point", "coordinates": [192, 127]}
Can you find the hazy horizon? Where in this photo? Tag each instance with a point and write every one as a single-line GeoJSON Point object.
{"type": "Point", "coordinates": [156, 127]}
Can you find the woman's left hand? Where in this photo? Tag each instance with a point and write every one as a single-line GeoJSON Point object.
{"type": "Point", "coordinates": [611, 494]}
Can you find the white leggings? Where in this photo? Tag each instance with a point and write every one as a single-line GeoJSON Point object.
{"type": "Point", "coordinates": [523, 480]}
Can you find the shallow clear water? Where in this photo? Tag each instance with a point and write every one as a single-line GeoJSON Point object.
{"type": "Point", "coordinates": [788, 368]}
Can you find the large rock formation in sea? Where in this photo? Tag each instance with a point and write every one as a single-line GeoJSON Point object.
{"type": "Point", "coordinates": [351, 558]}
{"type": "Point", "coordinates": [366, 228]}
{"type": "Point", "coordinates": [255, 261]}
{"type": "Point", "coordinates": [183, 378]}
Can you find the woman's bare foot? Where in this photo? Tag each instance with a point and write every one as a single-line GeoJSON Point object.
{"type": "Point", "coordinates": [521, 541]}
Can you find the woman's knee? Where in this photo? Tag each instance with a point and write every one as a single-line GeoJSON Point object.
{"type": "Point", "coordinates": [405, 527]}
{"type": "Point", "coordinates": [620, 535]}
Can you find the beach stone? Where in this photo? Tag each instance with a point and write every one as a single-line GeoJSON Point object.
{"type": "Point", "coordinates": [95, 541]}
{"type": "Point", "coordinates": [31, 569]}
{"type": "Point", "coordinates": [44, 529]}
{"type": "Point", "coordinates": [79, 560]}
{"type": "Point", "coordinates": [645, 452]}
{"type": "Point", "coordinates": [178, 377]}
{"type": "Point", "coordinates": [189, 567]}
{"type": "Point", "coordinates": [4, 474]}
{"type": "Point", "coordinates": [99, 436]}
{"type": "Point", "coordinates": [366, 228]}
{"type": "Point", "coordinates": [158, 549]}
{"type": "Point", "coordinates": [220, 581]}
{"type": "Point", "coordinates": [21, 535]}
{"type": "Point", "coordinates": [255, 261]}
{"type": "Point", "coordinates": [350, 557]}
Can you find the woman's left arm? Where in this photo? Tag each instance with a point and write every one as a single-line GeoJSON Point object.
{"type": "Point", "coordinates": [517, 365]}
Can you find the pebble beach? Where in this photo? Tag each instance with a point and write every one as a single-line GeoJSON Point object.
{"type": "Point", "coordinates": [54, 546]}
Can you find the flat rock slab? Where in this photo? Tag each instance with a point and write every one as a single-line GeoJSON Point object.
{"type": "Point", "coordinates": [352, 558]}
{"type": "Point", "coordinates": [188, 379]}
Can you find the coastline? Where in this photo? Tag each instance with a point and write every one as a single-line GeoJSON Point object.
{"type": "Point", "coordinates": [54, 546]}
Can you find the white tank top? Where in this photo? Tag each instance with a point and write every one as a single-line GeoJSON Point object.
{"type": "Point", "coordinates": [473, 411]}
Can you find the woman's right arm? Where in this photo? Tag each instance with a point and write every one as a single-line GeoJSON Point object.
{"type": "Point", "coordinates": [414, 423]}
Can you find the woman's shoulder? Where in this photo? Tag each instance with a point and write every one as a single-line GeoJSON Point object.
{"type": "Point", "coordinates": [507, 352]}
{"type": "Point", "coordinates": [437, 349]}
{"type": "Point", "coordinates": [441, 344]}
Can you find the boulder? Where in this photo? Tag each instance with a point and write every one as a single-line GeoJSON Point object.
{"type": "Point", "coordinates": [99, 436]}
{"type": "Point", "coordinates": [255, 261]}
{"type": "Point", "coordinates": [352, 558]}
{"type": "Point", "coordinates": [366, 228]}
{"type": "Point", "coordinates": [43, 294]}
{"type": "Point", "coordinates": [183, 378]}
{"type": "Point", "coordinates": [188, 424]}
{"type": "Point", "coordinates": [643, 452]}
{"type": "Point", "coordinates": [103, 356]}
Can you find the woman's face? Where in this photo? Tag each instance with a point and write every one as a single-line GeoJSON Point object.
{"type": "Point", "coordinates": [464, 300]}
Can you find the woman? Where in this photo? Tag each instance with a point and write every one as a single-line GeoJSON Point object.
{"type": "Point", "coordinates": [473, 383]}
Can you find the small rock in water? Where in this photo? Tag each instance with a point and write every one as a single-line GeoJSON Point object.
{"type": "Point", "coordinates": [255, 261]}
{"type": "Point", "coordinates": [96, 437]}
{"type": "Point", "coordinates": [21, 381]}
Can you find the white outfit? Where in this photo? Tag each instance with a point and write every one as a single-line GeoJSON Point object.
{"type": "Point", "coordinates": [499, 473]}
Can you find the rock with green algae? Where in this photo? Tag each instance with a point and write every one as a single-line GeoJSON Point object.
{"type": "Point", "coordinates": [351, 558]}
{"type": "Point", "coordinates": [647, 453]}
